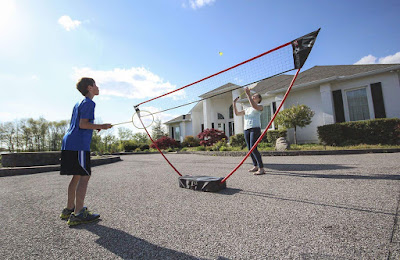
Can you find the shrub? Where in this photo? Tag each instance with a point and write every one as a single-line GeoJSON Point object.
{"type": "Point", "coordinates": [210, 136]}
{"type": "Point", "coordinates": [272, 135]}
{"type": "Point", "coordinates": [200, 148]}
{"type": "Point", "coordinates": [190, 141]}
{"type": "Point", "coordinates": [237, 141]}
{"type": "Point", "coordinates": [224, 148]}
{"type": "Point", "coordinates": [144, 147]}
{"type": "Point", "coordinates": [165, 142]}
{"type": "Point", "coordinates": [375, 131]}
{"type": "Point", "coordinates": [219, 144]}
{"type": "Point", "coordinates": [397, 133]}
{"type": "Point", "coordinates": [129, 146]}
{"type": "Point", "coordinates": [265, 146]}
{"type": "Point", "coordinates": [295, 116]}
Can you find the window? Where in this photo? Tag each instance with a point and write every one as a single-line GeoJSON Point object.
{"type": "Point", "coordinates": [265, 116]}
{"type": "Point", "coordinates": [231, 112]}
{"type": "Point", "coordinates": [220, 116]}
{"type": "Point", "coordinates": [177, 133]}
{"type": "Point", "coordinates": [358, 104]}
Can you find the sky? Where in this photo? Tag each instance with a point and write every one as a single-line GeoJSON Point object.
{"type": "Point", "coordinates": [136, 50]}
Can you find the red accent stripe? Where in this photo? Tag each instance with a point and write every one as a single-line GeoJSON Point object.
{"type": "Point", "coordinates": [222, 71]}
{"type": "Point", "coordinates": [266, 129]}
{"type": "Point", "coordinates": [144, 127]}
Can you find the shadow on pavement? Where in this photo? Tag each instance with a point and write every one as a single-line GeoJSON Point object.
{"type": "Point", "coordinates": [316, 203]}
{"type": "Point", "coordinates": [127, 246]}
{"type": "Point", "coordinates": [229, 191]}
{"type": "Point", "coordinates": [305, 167]}
{"type": "Point", "coordinates": [340, 176]}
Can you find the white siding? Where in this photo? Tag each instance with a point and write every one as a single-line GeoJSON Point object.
{"type": "Point", "coordinates": [312, 99]}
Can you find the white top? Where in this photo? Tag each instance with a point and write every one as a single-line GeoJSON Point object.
{"type": "Point", "coordinates": [252, 118]}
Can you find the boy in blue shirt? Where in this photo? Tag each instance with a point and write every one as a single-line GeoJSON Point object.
{"type": "Point", "coordinates": [75, 154]}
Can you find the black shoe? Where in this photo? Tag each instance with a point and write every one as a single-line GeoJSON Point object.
{"type": "Point", "coordinates": [84, 216]}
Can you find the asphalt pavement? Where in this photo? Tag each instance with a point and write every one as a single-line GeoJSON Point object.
{"type": "Point", "coordinates": [305, 207]}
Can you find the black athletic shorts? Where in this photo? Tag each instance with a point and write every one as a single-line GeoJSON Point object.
{"type": "Point", "coordinates": [75, 163]}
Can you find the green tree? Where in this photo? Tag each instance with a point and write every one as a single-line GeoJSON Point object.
{"type": "Point", "coordinates": [158, 130]}
{"type": "Point", "coordinates": [27, 135]}
{"type": "Point", "coordinates": [96, 145]}
{"type": "Point", "coordinates": [125, 134]}
{"type": "Point", "coordinates": [295, 116]}
{"type": "Point", "coordinates": [7, 135]}
{"type": "Point", "coordinates": [56, 132]}
{"type": "Point", "coordinates": [141, 138]}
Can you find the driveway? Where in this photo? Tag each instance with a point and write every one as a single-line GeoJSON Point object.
{"type": "Point", "coordinates": [305, 207]}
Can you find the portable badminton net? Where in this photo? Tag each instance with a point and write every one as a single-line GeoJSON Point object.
{"type": "Point", "coordinates": [285, 58]}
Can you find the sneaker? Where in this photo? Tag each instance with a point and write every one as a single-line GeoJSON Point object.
{"type": "Point", "coordinates": [66, 213]}
{"type": "Point", "coordinates": [84, 216]}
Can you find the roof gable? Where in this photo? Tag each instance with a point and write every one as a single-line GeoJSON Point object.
{"type": "Point", "coordinates": [179, 119]}
{"type": "Point", "coordinates": [318, 73]}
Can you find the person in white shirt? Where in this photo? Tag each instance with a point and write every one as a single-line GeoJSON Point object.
{"type": "Point", "coordinates": [252, 128]}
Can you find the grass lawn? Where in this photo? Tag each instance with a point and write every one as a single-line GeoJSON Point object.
{"type": "Point", "coordinates": [308, 147]}
{"type": "Point", "coordinates": [300, 147]}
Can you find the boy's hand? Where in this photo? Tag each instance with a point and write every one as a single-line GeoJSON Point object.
{"type": "Point", "coordinates": [247, 90]}
{"type": "Point", "coordinates": [236, 99]}
{"type": "Point", "coordinates": [106, 126]}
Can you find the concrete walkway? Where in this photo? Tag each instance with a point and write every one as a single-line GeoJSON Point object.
{"type": "Point", "coordinates": [306, 207]}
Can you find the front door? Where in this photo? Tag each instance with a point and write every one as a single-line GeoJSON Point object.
{"type": "Point", "coordinates": [231, 128]}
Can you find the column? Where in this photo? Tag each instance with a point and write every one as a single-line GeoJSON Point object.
{"type": "Point", "coordinates": [207, 113]}
{"type": "Point", "coordinates": [327, 104]}
{"type": "Point", "coordinates": [238, 120]}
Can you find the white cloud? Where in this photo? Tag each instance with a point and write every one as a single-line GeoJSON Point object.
{"type": "Point", "coordinates": [8, 10]}
{"type": "Point", "coordinates": [366, 60]}
{"type": "Point", "coordinates": [68, 24]}
{"type": "Point", "coordinates": [164, 116]}
{"type": "Point", "coordinates": [194, 4]}
{"type": "Point", "coordinates": [6, 117]}
{"type": "Point", "coordinates": [395, 58]}
{"type": "Point", "coordinates": [134, 83]}
{"type": "Point", "coordinates": [370, 59]}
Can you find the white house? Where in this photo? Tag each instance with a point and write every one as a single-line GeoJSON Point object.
{"type": "Point", "coordinates": [337, 93]}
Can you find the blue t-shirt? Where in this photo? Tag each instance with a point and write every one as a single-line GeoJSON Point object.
{"type": "Point", "coordinates": [77, 139]}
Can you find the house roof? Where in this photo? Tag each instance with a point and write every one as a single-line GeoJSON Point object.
{"type": "Point", "coordinates": [315, 75]}
{"type": "Point", "coordinates": [319, 73]}
{"type": "Point", "coordinates": [221, 89]}
{"type": "Point", "coordinates": [179, 119]}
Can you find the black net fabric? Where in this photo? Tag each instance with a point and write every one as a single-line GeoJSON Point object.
{"type": "Point", "coordinates": [283, 59]}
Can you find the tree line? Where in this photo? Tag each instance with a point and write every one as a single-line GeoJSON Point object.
{"type": "Point", "coordinates": [37, 135]}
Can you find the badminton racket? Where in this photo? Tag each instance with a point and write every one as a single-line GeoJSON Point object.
{"type": "Point", "coordinates": [146, 116]}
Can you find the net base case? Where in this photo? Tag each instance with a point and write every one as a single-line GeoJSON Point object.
{"type": "Point", "coordinates": [202, 183]}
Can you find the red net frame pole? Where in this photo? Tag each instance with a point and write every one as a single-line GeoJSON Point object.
{"type": "Point", "coordinates": [266, 129]}
{"type": "Point", "coordinates": [222, 71]}
{"type": "Point", "coordinates": [147, 132]}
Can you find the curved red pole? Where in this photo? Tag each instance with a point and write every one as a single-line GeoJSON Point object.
{"type": "Point", "coordinates": [147, 132]}
{"type": "Point", "coordinates": [222, 71]}
{"type": "Point", "coordinates": [266, 129]}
